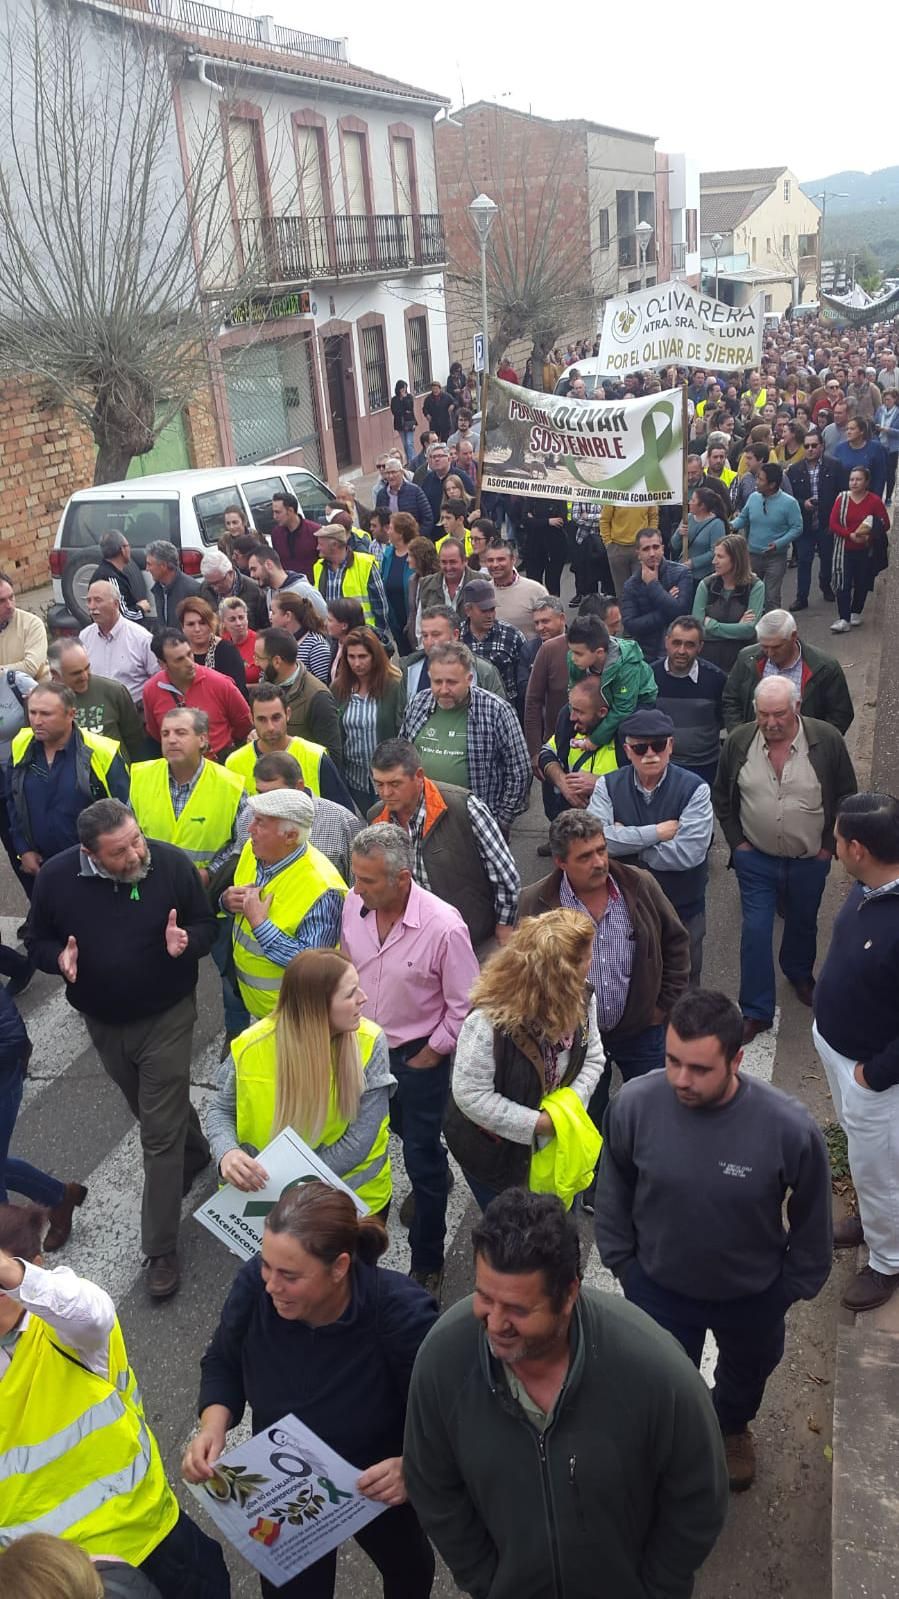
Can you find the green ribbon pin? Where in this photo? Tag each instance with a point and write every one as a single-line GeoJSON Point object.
{"type": "Point", "coordinates": [334, 1493]}
{"type": "Point", "coordinates": [648, 466]}
{"type": "Point", "coordinates": [135, 892]}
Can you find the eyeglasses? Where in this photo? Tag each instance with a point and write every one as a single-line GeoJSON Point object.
{"type": "Point", "coordinates": [657, 745]}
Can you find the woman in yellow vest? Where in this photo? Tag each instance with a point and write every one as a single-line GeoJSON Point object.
{"type": "Point", "coordinates": [315, 1065]}
{"type": "Point", "coordinates": [314, 1328]}
{"type": "Point", "coordinates": [77, 1459]}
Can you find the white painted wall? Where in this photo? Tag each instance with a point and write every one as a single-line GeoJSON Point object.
{"type": "Point", "coordinates": [388, 298]}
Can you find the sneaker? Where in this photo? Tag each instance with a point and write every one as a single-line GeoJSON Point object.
{"type": "Point", "coordinates": [839, 627]}
{"type": "Point", "coordinates": [163, 1276]}
{"type": "Point", "coordinates": [855, 619]}
{"type": "Point", "coordinates": [60, 1217]}
{"type": "Point", "coordinates": [430, 1281]}
{"type": "Point", "coordinates": [869, 1288]}
{"type": "Point", "coordinates": [848, 1233]}
{"type": "Point", "coordinates": [739, 1451]}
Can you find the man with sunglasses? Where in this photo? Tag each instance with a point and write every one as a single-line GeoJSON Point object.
{"type": "Point", "coordinates": [659, 816]}
{"type": "Point", "coordinates": [815, 481]}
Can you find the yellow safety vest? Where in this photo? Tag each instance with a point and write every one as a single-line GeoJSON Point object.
{"type": "Point", "coordinates": [293, 892]}
{"type": "Point", "coordinates": [307, 755]}
{"type": "Point", "coordinates": [207, 820]}
{"type": "Point", "coordinates": [354, 582]}
{"type": "Point", "coordinates": [77, 1459]}
{"type": "Point", "coordinates": [727, 476]}
{"type": "Point", "coordinates": [447, 535]}
{"type": "Point", "coordinates": [599, 761]}
{"type": "Point", "coordinates": [256, 1072]}
{"type": "Point", "coordinates": [758, 400]}
{"type": "Point", "coordinates": [103, 751]}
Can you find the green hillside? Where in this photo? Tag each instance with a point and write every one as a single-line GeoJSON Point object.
{"type": "Point", "coordinates": [876, 230]}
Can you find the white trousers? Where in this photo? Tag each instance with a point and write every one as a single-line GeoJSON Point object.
{"type": "Point", "coordinates": [871, 1124]}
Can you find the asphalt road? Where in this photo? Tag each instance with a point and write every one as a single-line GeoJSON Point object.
{"type": "Point", "coordinates": [76, 1125]}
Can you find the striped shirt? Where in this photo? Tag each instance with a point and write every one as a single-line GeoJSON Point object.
{"type": "Point", "coordinates": [319, 929]}
{"type": "Point", "coordinates": [359, 723]}
{"type": "Point", "coordinates": [612, 960]}
{"type": "Point", "coordinates": [314, 650]}
{"type": "Point", "coordinates": [333, 580]}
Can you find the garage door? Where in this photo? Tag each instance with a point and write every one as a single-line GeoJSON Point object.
{"type": "Point", "coordinates": [270, 397]}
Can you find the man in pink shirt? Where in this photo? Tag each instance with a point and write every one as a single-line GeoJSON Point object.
{"type": "Point", "coordinates": [183, 682]}
{"type": "Point", "coordinates": [416, 965]}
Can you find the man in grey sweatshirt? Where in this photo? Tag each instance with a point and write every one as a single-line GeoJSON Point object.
{"type": "Point", "coordinates": [697, 1162]}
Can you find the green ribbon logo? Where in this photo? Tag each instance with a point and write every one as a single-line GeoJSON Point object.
{"type": "Point", "coordinates": [648, 467]}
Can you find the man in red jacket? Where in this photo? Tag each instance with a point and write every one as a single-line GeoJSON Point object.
{"type": "Point", "coordinates": [183, 682]}
{"type": "Point", "coordinates": [293, 535]}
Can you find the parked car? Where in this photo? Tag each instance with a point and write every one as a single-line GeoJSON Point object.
{"type": "Point", "coordinates": [590, 370]}
{"type": "Point", "coordinates": [187, 508]}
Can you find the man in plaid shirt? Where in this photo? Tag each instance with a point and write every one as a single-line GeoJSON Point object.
{"type": "Point", "coordinates": [494, 641]}
{"type": "Point", "coordinates": [469, 737]}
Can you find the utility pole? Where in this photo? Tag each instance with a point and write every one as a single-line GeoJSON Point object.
{"type": "Point", "coordinates": [824, 196]}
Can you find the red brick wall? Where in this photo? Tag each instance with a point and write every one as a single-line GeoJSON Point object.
{"type": "Point", "coordinates": [45, 454]}
{"type": "Point", "coordinates": [202, 433]}
{"type": "Point", "coordinates": [536, 172]}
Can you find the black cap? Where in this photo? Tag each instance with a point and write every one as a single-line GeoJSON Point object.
{"type": "Point", "coordinates": [648, 723]}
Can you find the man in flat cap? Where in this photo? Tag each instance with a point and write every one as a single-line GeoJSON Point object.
{"type": "Point", "coordinates": [659, 816]}
{"type": "Point", "coordinates": [286, 896]}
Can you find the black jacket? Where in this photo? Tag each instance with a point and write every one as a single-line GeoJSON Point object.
{"type": "Point", "coordinates": [168, 599]}
{"type": "Point", "coordinates": [125, 972]}
{"type": "Point", "coordinates": [828, 489]}
{"type": "Point", "coordinates": [248, 591]}
{"type": "Point", "coordinates": [348, 1380]}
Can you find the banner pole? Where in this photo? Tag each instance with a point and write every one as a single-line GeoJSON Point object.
{"type": "Point", "coordinates": [685, 424]}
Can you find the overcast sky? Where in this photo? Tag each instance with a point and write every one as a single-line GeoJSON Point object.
{"type": "Point", "coordinates": [732, 88]}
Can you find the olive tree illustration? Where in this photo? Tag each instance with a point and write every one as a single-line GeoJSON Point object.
{"type": "Point", "coordinates": [102, 234]}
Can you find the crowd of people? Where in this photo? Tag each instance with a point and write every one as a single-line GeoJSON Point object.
{"type": "Point", "coordinates": [308, 767]}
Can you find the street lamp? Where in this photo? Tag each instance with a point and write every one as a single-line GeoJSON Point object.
{"type": "Point", "coordinates": [644, 234]}
{"type": "Point", "coordinates": [482, 212]}
{"type": "Point", "coordinates": [716, 242]}
{"type": "Point", "coordinates": [824, 196]}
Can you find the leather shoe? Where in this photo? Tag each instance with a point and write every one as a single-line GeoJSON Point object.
{"type": "Point", "coordinates": [800, 605]}
{"type": "Point", "coordinates": [805, 991]}
{"type": "Point", "coordinates": [544, 849]}
{"type": "Point", "coordinates": [739, 1451]}
{"type": "Point", "coordinates": [848, 1233]}
{"type": "Point", "coordinates": [753, 1025]}
{"type": "Point", "coordinates": [163, 1276]}
{"type": "Point", "coordinates": [869, 1288]}
{"type": "Point", "coordinates": [60, 1217]}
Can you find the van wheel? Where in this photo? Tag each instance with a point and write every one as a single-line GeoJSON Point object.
{"type": "Point", "coordinates": [76, 576]}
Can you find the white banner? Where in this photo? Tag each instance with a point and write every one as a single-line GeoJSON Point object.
{"type": "Point", "coordinates": [674, 325]}
{"type": "Point", "coordinates": [237, 1219]}
{"type": "Point", "coordinates": [285, 1499]}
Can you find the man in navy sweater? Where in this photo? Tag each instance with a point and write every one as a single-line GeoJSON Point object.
{"type": "Point", "coordinates": [691, 692]}
{"type": "Point", "coordinates": [856, 1033]}
{"type": "Point", "coordinates": [126, 922]}
{"type": "Point", "coordinates": [659, 591]}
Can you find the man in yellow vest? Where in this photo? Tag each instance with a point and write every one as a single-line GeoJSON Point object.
{"type": "Point", "coordinates": [286, 896]}
{"type": "Point", "coordinates": [352, 574]}
{"type": "Point", "coordinates": [193, 802]}
{"type": "Point", "coordinates": [320, 775]}
{"type": "Point", "coordinates": [77, 1459]}
{"type": "Point", "coordinates": [56, 771]}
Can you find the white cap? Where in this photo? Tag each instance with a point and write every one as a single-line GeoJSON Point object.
{"type": "Point", "coordinates": [288, 805]}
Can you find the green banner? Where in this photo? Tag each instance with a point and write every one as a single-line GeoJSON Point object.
{"type": "Point", "coordinates": [626, 452]}
{"type": "Point", "coordinates": [860, 315]}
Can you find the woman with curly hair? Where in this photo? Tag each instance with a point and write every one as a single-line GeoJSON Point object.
{"type": "Point", "coordinates": [532, 1029]}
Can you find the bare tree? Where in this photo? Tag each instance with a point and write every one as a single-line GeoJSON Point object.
{"type": "Point", "coordinates": [541, 279]}
{"type": "Point", "coordinates": [101, 236]}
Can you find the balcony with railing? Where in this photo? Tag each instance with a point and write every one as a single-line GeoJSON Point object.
{"type": "Point", "coordinates": [298, 249]}
{"type": "Point", "coordinates": [214, 23]}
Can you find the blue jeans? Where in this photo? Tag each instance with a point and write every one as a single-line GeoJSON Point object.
{"type": "Point", "coordinates": [634, 1054]}
{"type": "Point", "coordinates": [481, 1192]}
{"type": "Point", "coordinates": [798, 885]}
{"type": "Point", "coordinates": [409, 444]}
{"type": "Point", "coordinates": [237, 1017]}
{"type": "Point", "coordinates": [807, 544]}
{"type": "Point", "coordinates": [856, 585]}
{"type": "Point", "coordinates": [20, 1175]}
{"type": "Point", "coordinates": [749, 1333]}
{"type": "Point", "coordinates": [416, 1115]}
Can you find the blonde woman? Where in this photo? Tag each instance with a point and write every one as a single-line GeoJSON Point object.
{"type": "Point", "coordinates": [315, 1065]}
{"type": "Point", "coordinates": [532, 1029]}
{"type": "Point", "coordinates": [40, 1567]}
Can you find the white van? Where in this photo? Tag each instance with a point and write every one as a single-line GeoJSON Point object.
{"type": "Point", "coordinates": [186, 508]}
{"type": "Point", "coordinates": [592, 374]}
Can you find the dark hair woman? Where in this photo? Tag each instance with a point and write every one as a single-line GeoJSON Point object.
{"type": "Point", "coordinates": [860, 522]}
{"type": "Point", "coordinates": [343, 616]}
{"type": "Point", "coordinates": [707, 522]}
{"type": "Point", "coordinates": [313, 1327]}
{"type": "Point", "coordinates": [423, 562]}
{"type": "Point", "coordinates": [366, 687]}
{"type": "Point", "coordinates": [403, 408]}
{"type": "Point", "coordinates": [298, 616]}
{"type": "Point", "coordinates": [200, 626]}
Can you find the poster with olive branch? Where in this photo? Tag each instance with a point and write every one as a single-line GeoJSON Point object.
{"type": "Point", "coordinates": [284, 1499]}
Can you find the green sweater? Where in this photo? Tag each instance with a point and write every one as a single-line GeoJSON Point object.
{"type": "Point", "coordinates": [627, 683]}
{"type": "Point", "coordinates": [623, 1495]}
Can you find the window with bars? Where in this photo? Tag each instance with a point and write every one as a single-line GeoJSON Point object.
{"type": "Point", "coordinates": [374, 356]}
{"type": "Point", "coordinates": [419, 354]}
